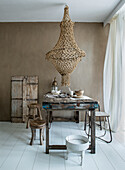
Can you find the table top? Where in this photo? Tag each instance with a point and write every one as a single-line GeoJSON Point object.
{"type": "Point", "coordinates": [67, 102]}
{"type": "Point", "coordinates": [49, 98]}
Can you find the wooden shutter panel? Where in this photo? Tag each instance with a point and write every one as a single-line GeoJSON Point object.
{"type": "Point", "coordinates": [24, 91]}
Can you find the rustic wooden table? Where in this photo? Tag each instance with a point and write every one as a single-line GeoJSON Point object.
{"type": "Point", "coordinates": [57, 103]}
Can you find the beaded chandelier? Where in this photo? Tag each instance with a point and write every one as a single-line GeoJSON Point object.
{"type": "Point", "coordinates": [66, 54]}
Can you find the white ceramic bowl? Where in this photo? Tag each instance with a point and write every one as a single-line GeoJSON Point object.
{"type": "Point", "coordinates": [77, 143]}
{"type": "Point", "coordinates": [55, 92]}
{"type": "Point", "coordinates": [79, 92]}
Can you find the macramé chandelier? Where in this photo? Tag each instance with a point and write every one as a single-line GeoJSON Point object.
{"type": "Point", "coordinates": [66, 54]}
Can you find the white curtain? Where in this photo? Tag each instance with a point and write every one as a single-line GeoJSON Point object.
{"type": "Point", "coordinates": [114, 74]}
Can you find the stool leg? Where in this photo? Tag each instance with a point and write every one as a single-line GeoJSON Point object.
{"type": "Point", "coordinates": [82, 158]}
{"type": "Point", "coordinates": [109, 131]}
{"type": "Point", "coordinates": [43, 133]}
{"type": "Point", "coordinates": [31, 142]}
{"type": "Point", "coordinates": [41, 141]}
{"type": "Point", "coordinates": [67, 154]}
{"type": "Point", "coordinates": [100, 123]}
{"type": "Point", "coordinates": [105, 132]}
{"type": "Point", "coordinates": [34, 132]}
{"type": "Point", "coordinates": [27, 124]}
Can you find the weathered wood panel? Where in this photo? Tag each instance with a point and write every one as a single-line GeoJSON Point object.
{"type": "Point", "coordinates": [17, 108]}
{"type": "Point", "coordinates": [16, 98]}
{"type": "Point", "coordinates": [32, 79]}
{"type": "Point", "coordinates": [17, 78]}
{"type": "Point", "coordinates": [26, 110]}
{"type": "Point", "coordinates": [17, 89]}
{"type": "Point", "coordinates": [30, 93]}
{"type": "Point", "coordinates": [24, 92]}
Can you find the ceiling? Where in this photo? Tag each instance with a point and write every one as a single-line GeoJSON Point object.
{"type": "Point", "coordinates": [52, 10]}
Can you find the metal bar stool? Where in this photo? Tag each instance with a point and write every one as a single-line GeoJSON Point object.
{"type": "Point", "coordinates": [100, 115]}
{"type": "Point", "coordinates": [86, 114]}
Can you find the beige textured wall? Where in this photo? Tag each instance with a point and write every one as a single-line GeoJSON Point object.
{"type": "Point", "coordinates": [22, 52]}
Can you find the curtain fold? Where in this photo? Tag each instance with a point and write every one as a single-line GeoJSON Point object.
{"type": "Point", "coordinates": [114, 74]}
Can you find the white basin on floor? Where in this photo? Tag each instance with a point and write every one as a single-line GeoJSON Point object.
{"type": "Point", "coordinates": [77, 144]}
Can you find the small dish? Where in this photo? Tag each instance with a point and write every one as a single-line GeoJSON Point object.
{"type": "Point", "coordinates": [75, 96]}
{"type": "Point", "coordinates": [79, 93]}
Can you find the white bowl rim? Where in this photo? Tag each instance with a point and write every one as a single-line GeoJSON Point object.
{"type": "Point", "coordinates": [84, 138]}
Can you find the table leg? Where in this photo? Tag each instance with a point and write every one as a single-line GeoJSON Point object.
{"type": "Point", "coordinates": [85, 120]}
{"type": "Point", "coordinates": [92, 131]}
{"type": "Point", "coordinates": [47, 132]}
{"type": "Point", "coordinates": [77, 116]}
{"type": "Point", "coordinates": [51, 116]}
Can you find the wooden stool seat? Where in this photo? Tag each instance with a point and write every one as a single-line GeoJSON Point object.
{"type": "Point", "coordinates": [34, 105]}
{"type": "Point", "coordinates": [33, 115]}
{"type": "Point", "coordinates": [37, 124]}
{"type": "Point", "coordinates": [101, 114]}
{"type": "Point", "coordinates": [105, 117]}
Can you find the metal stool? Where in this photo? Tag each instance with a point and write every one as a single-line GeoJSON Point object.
{"type": "Point", "coordinates": [105, 117]}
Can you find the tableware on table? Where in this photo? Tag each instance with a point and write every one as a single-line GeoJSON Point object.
{"type": "Point", "coordinates": [55, 92]}
{"type": "Point", "coordinates": [79, 93]}
{"type": "Point", "coordinates": [54, 85]}
{"type": "Point", "coordinates": [71, 92]}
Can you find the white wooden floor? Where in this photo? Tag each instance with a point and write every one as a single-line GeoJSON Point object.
{"type": "Point", "coordinates": [17, 154]}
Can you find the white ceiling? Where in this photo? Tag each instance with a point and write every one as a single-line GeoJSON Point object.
{"type": "Point", "coordinates": [52, 10]}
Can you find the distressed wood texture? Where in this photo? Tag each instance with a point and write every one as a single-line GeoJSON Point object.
{"type": "Point", "coordinates": [24, 91]}
{"type": "Point", "coordinates": [30, 93]}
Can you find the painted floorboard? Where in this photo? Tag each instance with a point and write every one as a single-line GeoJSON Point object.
{"type": "Point", "coordinates": [17, 154]}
